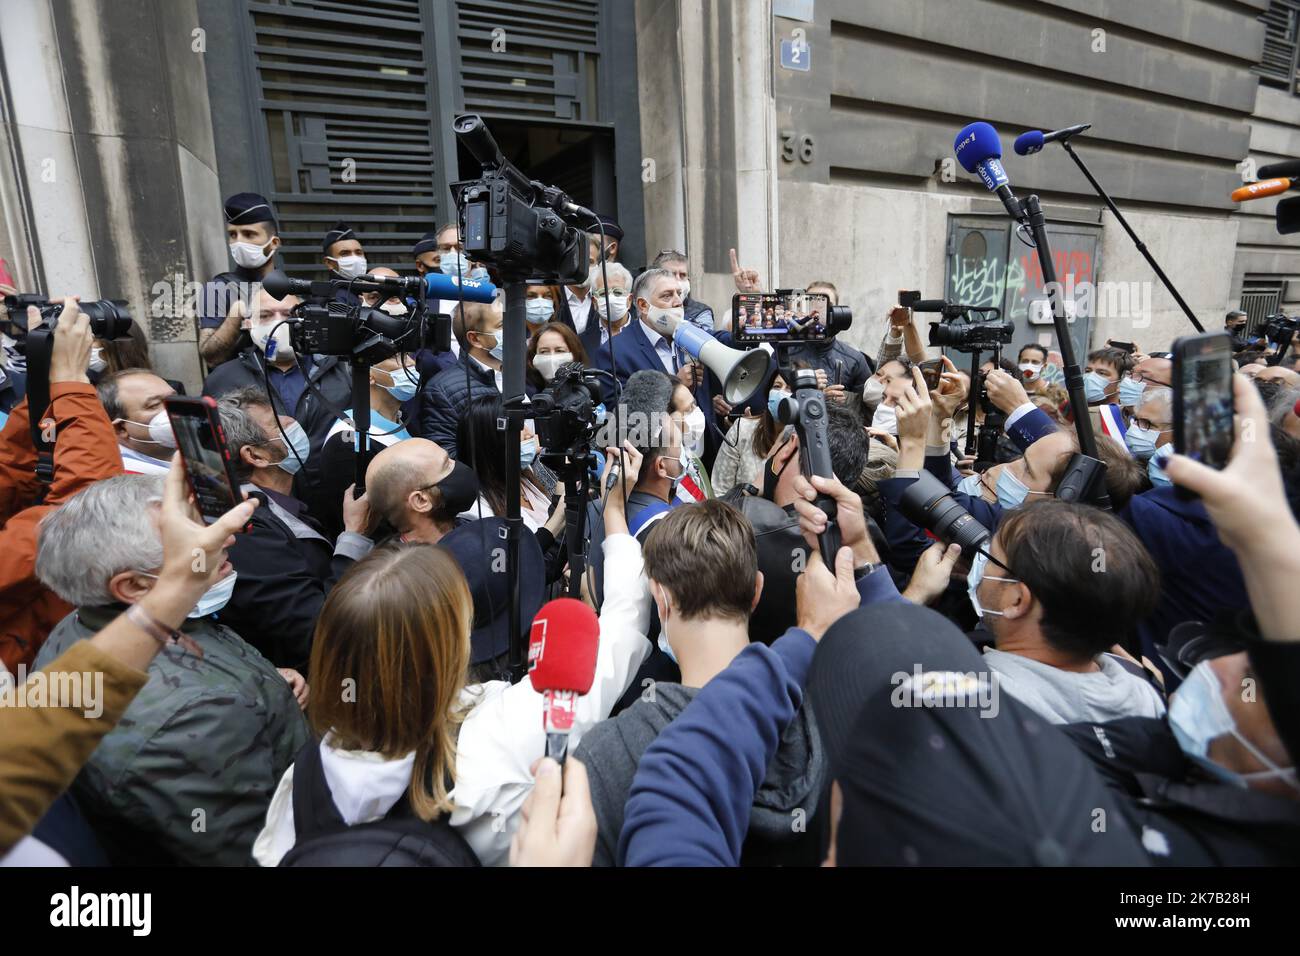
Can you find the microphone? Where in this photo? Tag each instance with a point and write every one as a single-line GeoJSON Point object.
{"type": "Point", "coordinates": [1034, 140]}
{"type": "Point", "coordinates": [979, 151]}
{"type": "Point", "coordinates": [929, 305]}
{"type": "Point", "coordinates": [1261, 189]}
{"type": "Point", "coordinates": [440, 286]}
{"type": "Point", "coordinates": [1287, 169]}
{"type": "Point", "coordinates": [562, 648]}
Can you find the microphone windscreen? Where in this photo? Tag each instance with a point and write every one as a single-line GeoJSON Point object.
{"type": "Point", "coordinates": [277, 284]}
{"type": "Point", "coordinates": [446, 287]}
{"type": "Point", "coordinates": [1288, 169]}
{"type": "Point", "coordinates": [1288, 216]}
{"type": "Point", "coordinates": [1259, 190]}
{"type": "Point", "coordinates": [562, 646]}
{"type": "Point", "coordinates": [975, 144]}
{"type": "Point", "coordinates": [1030, 142]}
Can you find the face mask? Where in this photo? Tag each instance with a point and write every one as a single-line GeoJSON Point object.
{"type": "Point", "coordinates": [1141, 441]}
{"type": "Point", "coordinates": [1094, 387]}
{"type": "Point", "coordinates": [1130, 391]}
{"type": "Point", "coordinates": [774, 400]}
{"type": "Point", "coordinates": [299, 447]}
{"type": "Point", "coordinates": [527, 453]}
{"type": "Point", "coordinates": [97, 361]}
{"type": "Point", "coordinates": [1011, 491]}
{"type": "Point", "coordinates": [349, 267]}
{"type": "Point", "coordinates": [686, 289]}
{"type": "Point", "coordinates": [478, 274]}
{"type": "Point", "coordinates": [272, 348]}
{"type": "Point", "coordinates": [661, 607]}
{"type": "Point", "coordinates": [214, 598]}
{"type": "Point", "coordinates": [667, 648]}
{"type": "Point", "coordinates": [454, 264]}
{"type": "Point", "coordinates": [874, 391]}
{"type": "Point", "coordinates": [160, 430]}
{"type": "Point", "coordinates": [1154, 471]}
{"type": "Point", "coordinates": [661, 319]}
{"type": "Point", "coordinates": [695, 424]}
{"type": "Point", "coordinates": [405, 382]}
{"type": "Point", "coordinates": [393, 308]}
{"type": "Point", "coordinates": [497, 351]}
{"type": "Point", "coordinates": [247, 255]}
{"type": "Point", "coordinates": [972, 486]}
{"type": "Point", "coordinates": [885, 418]}
{"type": "Point", "coordinates": [681, 473]}
{"type": "Point", "coordinates": [973, 580]}
{"type": "Point", "coordinates": [1198, 715]}
{"type": "Point", "coordinates": [548, 365]}
{"type": "Point", "coordinates": [617, 306]}
{"type": "Point", "coordinates": [459, 490]}
{"type": "Point", "coordinates": [1031, 370]}
{"type": "Point", "coordinates": [540, 311]}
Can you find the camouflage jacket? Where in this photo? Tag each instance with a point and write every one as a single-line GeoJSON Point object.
{"type": "Point", "coordinates": [188, 773]}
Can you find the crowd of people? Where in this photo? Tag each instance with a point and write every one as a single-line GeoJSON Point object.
{"type": "Point", "coordinates": [322, 677]}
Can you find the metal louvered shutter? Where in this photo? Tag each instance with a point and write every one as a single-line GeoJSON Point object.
{"type": "Point", "coordinates": [1281, 25]}
{"type": "Point", "coordinates": [349, 100]}
{"type": "Point", "coordinates": [530, 60]}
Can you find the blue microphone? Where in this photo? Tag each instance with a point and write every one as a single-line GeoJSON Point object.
{"type": "Point", "coordinates": [442, 286]}
{"type": "Point", "coordinates": [1031, 142]}
{"type": "Point", "coordinates": [979, 151]}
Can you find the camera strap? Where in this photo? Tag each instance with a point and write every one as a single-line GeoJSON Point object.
{"type": "Point", "coordinates": [40, 349]}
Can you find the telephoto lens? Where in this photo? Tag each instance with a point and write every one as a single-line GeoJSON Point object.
{"type": "Point", "coordinates": [929, 504]}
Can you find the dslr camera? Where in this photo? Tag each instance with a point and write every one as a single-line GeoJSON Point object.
{"type": "Point", "coordinates": [109, 318]}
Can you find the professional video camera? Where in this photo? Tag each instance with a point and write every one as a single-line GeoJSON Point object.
{"type": "Point", "coordinates": [109, 318]}
{"type": "Point", "coordinates": [1280, 330]}
{"type": "Point", "coordinates": [512, 222]}
{"type": "Point", "coordinates": [566, 415]}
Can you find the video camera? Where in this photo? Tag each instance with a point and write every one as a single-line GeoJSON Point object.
{"type": "Point", "coordinates": [109, 318]}
{"type": "Point", "coordinates": [324, 326]}
{"type": "Point", "coordinates": [955, 330]}
{"type": "Point", "coordinates": [1279, 331]}
{"type": "Point", "coordinates": [512, 222]}
{"type": "Point", "coordinates": [566, 414]}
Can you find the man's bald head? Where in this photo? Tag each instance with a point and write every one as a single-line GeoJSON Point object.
{"type": "Point", "coordinates": [401, 482]}
{"type": "Point", "coordinates": [1154, 371]}
{"type": "Point", "coordinates": [1272, 373]}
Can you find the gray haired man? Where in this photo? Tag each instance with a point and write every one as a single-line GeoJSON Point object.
{"type": "Point", "coordinates": [187, 775]}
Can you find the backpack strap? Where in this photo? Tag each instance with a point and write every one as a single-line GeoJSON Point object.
{"type": "Point", "coordinates": [647, 516]}
{"type": "Point", "coordinates": [314, 811]}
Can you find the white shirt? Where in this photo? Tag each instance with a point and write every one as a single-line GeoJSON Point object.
{"type": "Point", "coordinates": [663, 348]}
{"type": "Point", "coordinates": [496, 374]}
{"type": "Point", "coordinates": [135, 463]}
{"type": "Point", "coordinates": [580, 309]}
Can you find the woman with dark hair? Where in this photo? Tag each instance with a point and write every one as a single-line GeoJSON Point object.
{"type": "Point", "coordinates": [552, 345]}
{"type": "Point", "coordinates": [542, 303]}
{"type": "Point", "coordinates": [748, 443]}
{"type": "Point", "coordinates": [483, 447]}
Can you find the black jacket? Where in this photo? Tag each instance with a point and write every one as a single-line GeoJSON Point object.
{"type": "Point", "coordinates": [446, 396]}
{"type": "Point", "coordinates": [283, 580]}
{"type": "Point", "coordinates": [332, 377]}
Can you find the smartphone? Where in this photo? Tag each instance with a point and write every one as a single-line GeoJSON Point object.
{"type": "Point", "coordinates": [931, 370]}
{"type": "Point", "coordinates": [202, 445]}
{"type": "Point", "coordinates": [1123, 346]}
{"type": "Point", "coordinates": [907, 299]}
{"type": "Point", "coordinates": [789, 315]}
{"type": "Point", "coordinates": [1203, 405]}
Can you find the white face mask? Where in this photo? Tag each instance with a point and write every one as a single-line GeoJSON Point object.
{"type": "Point", "coordinates": [874, 391]}
{"type": "Point", "coordinates": [885, 418]}
{"type": "Point", "coordinates": [617, 306]}
{"type": "Point", "coordinates": [160, 430]}
{"type": "Point", "coordinates": [549, 364]}
{"type": "Point", "coordinates": [349, 267]}
{"type": "Point", "coordinates": [1030, 370]}
{"type": "Point", "coordinates": [97, 361]}
{"type": "Point", "coordinates": [393, 308]}
{"type": "Point", "coordinates": [694, 425]}
{"type": "Point", "coordinates": [686, 289]}
{"type": "Point", "coordinates": [661, 319]}
{"type": "Point", "coordinates": [248, 255]}
{"type": "Point", "coordinates": [275, 348]}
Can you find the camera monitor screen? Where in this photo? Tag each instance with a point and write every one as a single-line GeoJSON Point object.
{"type": "Point", "coordinates": [791, 316]}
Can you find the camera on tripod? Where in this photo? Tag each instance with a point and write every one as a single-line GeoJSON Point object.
{"type": "Point", "coordinates": [512, 222]}
{"type": "Point", "coordinates": [565, 414]}
{"type": "Point", "coordinates": [109, 318]}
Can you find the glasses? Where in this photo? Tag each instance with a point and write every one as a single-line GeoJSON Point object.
{"type": "Point", "coordinates": [1139, 377]}
{"type": "Point", "coordinates": [1152, 426]}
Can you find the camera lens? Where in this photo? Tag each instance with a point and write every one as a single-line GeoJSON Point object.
{"type": "Point", "coordinates": [928, 503]}
{"type": "Point", "coordinates": [109, 319]}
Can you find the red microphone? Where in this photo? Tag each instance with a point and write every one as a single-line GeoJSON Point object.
{"type": "Point", "coordinates": [1295, 409]}
{"type": "Point", "coordinates": [562, 648]}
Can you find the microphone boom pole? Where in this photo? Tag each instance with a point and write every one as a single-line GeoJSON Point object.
{"type": "Point", "coordinates": [1141, 246]}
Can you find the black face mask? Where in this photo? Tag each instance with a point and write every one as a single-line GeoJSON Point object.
{"type": "Point", "coordinates": [459, 490]}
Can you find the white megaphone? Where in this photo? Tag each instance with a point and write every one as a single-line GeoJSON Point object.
{"type": "Point", "coordinates": [741, 373]}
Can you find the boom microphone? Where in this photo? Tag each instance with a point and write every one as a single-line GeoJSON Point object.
{"type": "Point", "coordinates": [1031, 142]}
{"type": "Point", "coordinates": [1262, 189]}
{"type": "Point", "coordinates": [439, 286]}
{"type": "Point", "coordinates": [1287, 169]}
{"type": "Point", "coordinates": [979, 150]}
{"type": "Point", "coordinates": [562, 649]}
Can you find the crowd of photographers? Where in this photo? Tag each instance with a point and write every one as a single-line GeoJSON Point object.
{"type": "Point", "coordinates": [321, 678]}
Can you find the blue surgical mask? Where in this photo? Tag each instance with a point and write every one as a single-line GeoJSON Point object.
{"type": "Point", "coordinates": [1094, 387]}
{"type": "Point", "coordinates": [527, 453]}
{"type": "Point", "coordinates": [1154, 471]}
{"type": "Point", "coordinates": [973, 579]}
{"type": "Point", "coordinates": [405, 383]}
{"type": "Point", "coordinates": [478, 274]}
{"type": "Point", "coordinates": [971, 485]}
{"type": "Point", "coordinates": [1199, 715]}
{"type": "Point", "coordinates": [299, 447]}
{"type": "Point", "coordinates": [1141, 441]}
{"type": "Point", "coordinates": [1011, 491]}
{"type": "Point", "coordinates": [497, 351]}
{"type": "Point", "coordinates": [540, 311]}
{"type": "Point", "coordinates": [774, 399]}
{"type": "Point", "coordinates": [454, 264]}
{"type": "Point", "coordinates": [1130, 391]}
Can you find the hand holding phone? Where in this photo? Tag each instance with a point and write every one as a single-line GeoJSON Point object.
{"type": "Point", "coordinates": [1203, 398]}
{"type": "Point", "coordinates": [202, 444]}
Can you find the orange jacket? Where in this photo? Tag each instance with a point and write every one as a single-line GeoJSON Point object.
{"type": "Point", "coordinates": [85, 450]}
